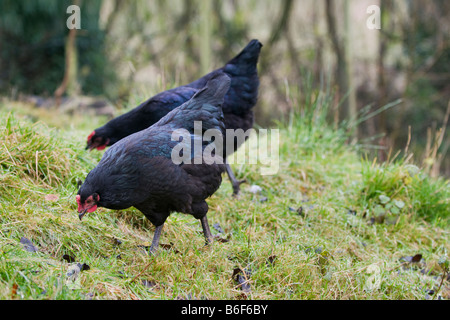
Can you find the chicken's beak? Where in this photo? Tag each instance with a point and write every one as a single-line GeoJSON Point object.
{"type": "Point", "coordinates": [96, 145]}
{"type": "Point", "coordinates": [91, 145]}
{"type": "Point", "coordinates": [82, 213]}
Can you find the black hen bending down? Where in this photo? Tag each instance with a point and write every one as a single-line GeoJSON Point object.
{"type": "Point", "coordinates": [139, 171]}
{"type": "Point", "coordinates": [237, 107]}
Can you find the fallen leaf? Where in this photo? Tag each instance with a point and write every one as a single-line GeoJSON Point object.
{"type": "Point", "coordinates": [271, 259]}
{"type": "Point", "coordinates": [28, 245]}
{"type": "Point", "coordinates": [245, 286]}
{"type": "Point", "coordinates": [426, 272]}
{"type": "Point", "coordinates": [52, 197]}
{"type": "Point", "coordinates": [121, 274]}
{"type": "Point", "coordinates": [300, 211]}
{"type": "Point", "coordinates": [316, 250]}
{"type": "Point", "coordinates": [416, 258]}
{"type": "Point", "coordinates": [411, 259]}
{"type": "Point", "coordinates": [14, 290]}
{"type": "Point", "coordinates": [85, 267]}
{"type": "Point", "coordinates": [218, 227]}
{"type": "Point", "coordinates": [74, 270]}
{"type": "Point", "coordinates": [72, 280]}
{"type": "Point", "coordinates": [116, 242]}
{"type": "Point", "coordinates": [68, 258]}
{"type": "Point", "coordinates": [430, 295]}
{"type": "Point", "coordinates": [242, 278]}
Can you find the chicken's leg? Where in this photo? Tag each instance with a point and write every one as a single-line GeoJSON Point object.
{"type": "Point", "coordinates": [155, 241]}
{"type": "Point", "coordinates": [234, 182]}
{"type": "Point", "coordinates": [206, 230]}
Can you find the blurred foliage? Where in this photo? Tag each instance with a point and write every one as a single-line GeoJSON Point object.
{"type": "Point", "coordinates": [428, 91]}
{"type": "Point", "coordinates": [33, 36]}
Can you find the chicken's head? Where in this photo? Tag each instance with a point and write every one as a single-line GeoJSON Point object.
{"type": "Point", "coordinates": [95, 141]}
{"type": "Point", "coordinates": [87, 205]}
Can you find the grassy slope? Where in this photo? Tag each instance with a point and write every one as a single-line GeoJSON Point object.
{"type": "Point", "coordinates": [329, 251]}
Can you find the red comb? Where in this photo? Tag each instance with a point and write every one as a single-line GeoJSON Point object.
{"type": "Point", "coordinates": [90, 136]}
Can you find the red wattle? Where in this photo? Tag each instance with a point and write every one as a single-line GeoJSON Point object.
{"type": "Point", "coordinates": [80, 207]}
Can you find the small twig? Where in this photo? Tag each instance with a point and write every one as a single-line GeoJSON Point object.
{"type": "Point", "coordinates": [440, 285]}
{"type": "Point", "coordinates": [145, 268]}
{"type": "Point", "coordinates": [400, 265]}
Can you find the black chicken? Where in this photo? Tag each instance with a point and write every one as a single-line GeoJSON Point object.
{"type": "Point", "coordinates": [237, 107]}
{"type": "Point", "coordinates": [139, 171]}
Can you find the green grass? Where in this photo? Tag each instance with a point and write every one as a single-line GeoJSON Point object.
{"type": "Point", "coordinates": [328, 251]}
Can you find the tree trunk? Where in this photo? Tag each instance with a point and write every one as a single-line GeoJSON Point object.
{"type": "Point", "coordinates": [339, 51]}
{"type": "Point", "coordinates": [351, 91]}
{"type": "Point", "coordinates": [347, 96]}
{"type": "Point", "coordinates": [205, 39]}
{"type": "Point", "coordinates": [69, 82]}
{"type": "Point", "coordinates": [382, 92]}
